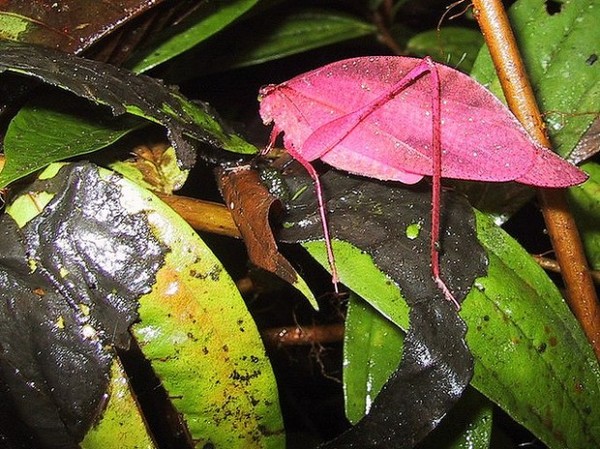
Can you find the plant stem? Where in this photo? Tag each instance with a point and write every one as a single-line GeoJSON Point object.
{"type": "Point", "coordinates": [296, 335]}
{"type": "Point", "coordinates": [552, 265]}
{"type": "Point", "coordinates": [203, 215]}
{"type": "Point", "coordinates": [580, 291]}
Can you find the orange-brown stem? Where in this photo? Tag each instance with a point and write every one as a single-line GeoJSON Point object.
{"type": "Point", "coordinates": [295, 335]}
{"type": "Point", "coordinates": [203, 215]}
{"type": "Point", "coordinates": [580, 291]}
{"type": "Point", "coordinates": [552, 265]}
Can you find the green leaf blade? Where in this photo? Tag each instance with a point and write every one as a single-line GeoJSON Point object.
{"type": "Point", "coordinates": [585, 205]}
{"type": "Point", "coordinates": [204, 346]}
{"type": "Point", "coordinates": [454, 46]}
{"type": "Point", "coordinates": [181, 38]}
{"type": "Point", "coordinates": [42, 133]}
{"type": "Point", "coordinates": [281, 35]}
{"type": "Point", "coordinates": [121, 424]}
{"type": "Point", "coordinates": [302, 31]}
{"type": "Point", "coordinates": [532, 359]}
{"type": "Point", "coordinates": [372, 351]}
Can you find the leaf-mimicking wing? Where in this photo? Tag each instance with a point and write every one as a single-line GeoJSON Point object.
{"type": "Point", "coordinates": [481, 139]}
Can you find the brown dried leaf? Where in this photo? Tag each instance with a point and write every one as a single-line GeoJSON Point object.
{"type": "Point", "coordinates": [250, 203]}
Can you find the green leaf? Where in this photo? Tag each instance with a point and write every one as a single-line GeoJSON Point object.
{"type": "Point", "coordinates": [372, 351]}
{"type": "Point", "coordinates": [531, 357]}
{"type": "Point", "coordinates": [58, 127]}
{"type": "Point", "coordinates": [123, 92]}
{"type": "Point", "coordinates": [301, 31]}
{"type": "Point", "coordinates": [12, 26]}
{"type": "Point", "coordinates": [558, 52]}
{"type": "Point", "coordinates": [121, 424]}
{"type": "Point", "coordinates": [273, 37]}
{"type": "Point", "coordinates": [357, 270]}
{"type": "Point", "coordinates": [585, 205]}
{"type": "Point", "coordinates": [211, 18]}
{"type": "Point", "coordinates": [204, 346]}
{"type": "Point", "coordinates": [457, 47]}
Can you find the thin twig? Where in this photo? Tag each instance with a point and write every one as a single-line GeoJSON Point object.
{"type": "Point", "coordinates": [552, 265]}
{"type": "Point", "coordinates": [305, 335]}
{"type": "Point", "coordinates": [383, 33]}
{"type": "Point", "coordinates": [580, 291]}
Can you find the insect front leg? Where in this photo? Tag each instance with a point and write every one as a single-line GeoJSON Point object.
{"type": "Point", "coordinates": [320, 202]}
{"type": "Point", "coordinates": [323, 214]}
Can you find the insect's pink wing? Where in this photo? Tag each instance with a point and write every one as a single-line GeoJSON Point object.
{"type": "Point", "coordinates": [299, 116]}
{"type": "Point", "coordinates": [481, 139]}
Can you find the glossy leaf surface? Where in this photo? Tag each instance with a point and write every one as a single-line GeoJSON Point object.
{"type": "Point", "coordinates": [436, 365]}
{"type": "Point", "coordinates": [123, 92]}
{"type": "Point", "coordinates": [74, 263]}
{"type": "Point", "coordinates": [372, 349]}
{"type": "Point", "coordinates": [112, 244]}
{"type": "Point", "coordinates": [531, 357]}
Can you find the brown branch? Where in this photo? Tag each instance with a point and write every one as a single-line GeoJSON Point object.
{"type": "Point", "coordinates": [552, 265]}
{"type": "Point", "coordinates": [203, 215]}
{"type": "Point", "coordinates": [580, 291]}
{"type": "Point", "coordinates": [383, 32]}
{"type": "Point", "coordinates": [306, 335]}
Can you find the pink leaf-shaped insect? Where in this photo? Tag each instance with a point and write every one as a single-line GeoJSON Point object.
{"type": "Point", "coordinates": [399, 118]}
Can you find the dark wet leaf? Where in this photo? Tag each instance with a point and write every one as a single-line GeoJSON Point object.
{"type": "Point", "coordinates": [70, 279]}
{"type": "Point", "coordinates": [71, 25]}
{"type": "Point", "coordinates": [123, 92]}
{"type": "Point", "coordinates": [109, 253]}
{"type": "Point", "coordinates": [531, 356]}
{"type": "Point", "coordinates": [392, 225]}
{"type": "Point", "coordinates": [372, 351]}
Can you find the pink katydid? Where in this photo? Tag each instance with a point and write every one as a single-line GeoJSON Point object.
{"type": "Point", "coordinates": [379, 117]}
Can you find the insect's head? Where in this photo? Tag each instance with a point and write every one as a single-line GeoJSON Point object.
{"type": "Point", "coordinates": [266, 90]}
